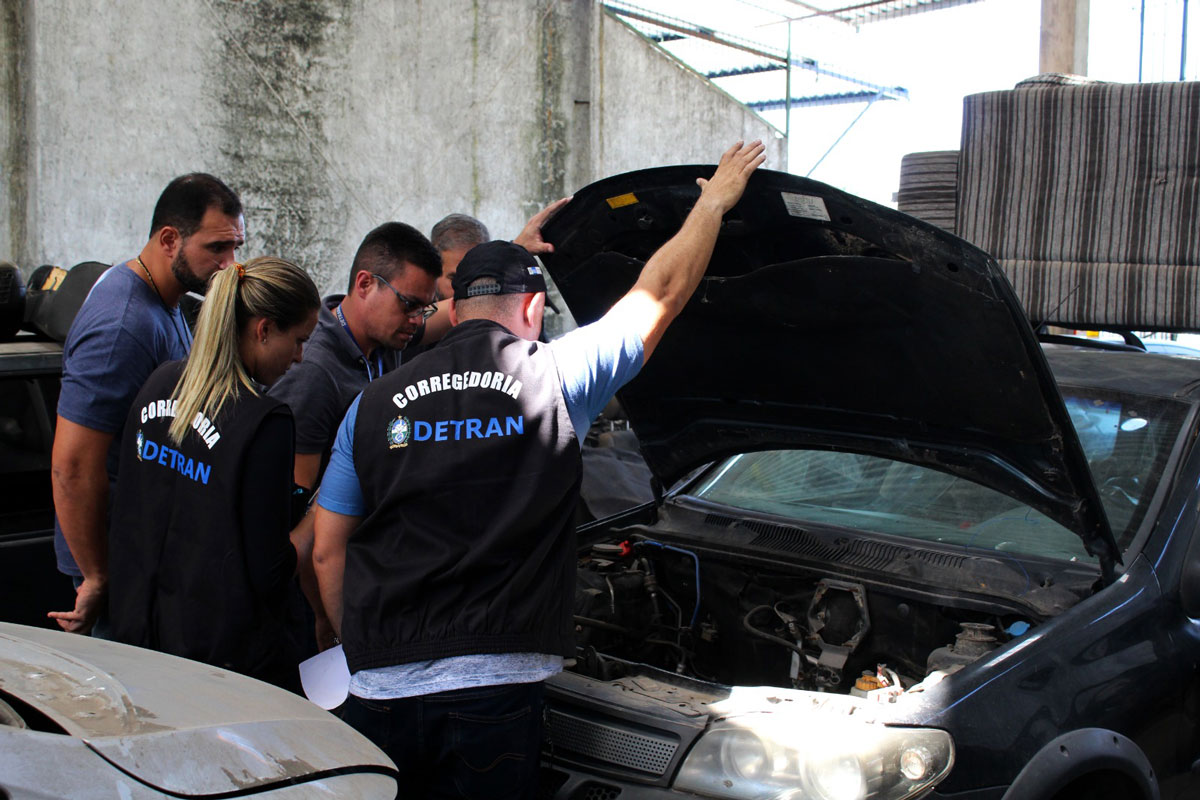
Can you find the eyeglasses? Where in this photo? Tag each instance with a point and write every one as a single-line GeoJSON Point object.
{"type": "Point", "coordinates": [411, 305]}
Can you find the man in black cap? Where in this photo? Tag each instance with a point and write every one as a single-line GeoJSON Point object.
{"type": "Point", "coordinates": [458, 475]}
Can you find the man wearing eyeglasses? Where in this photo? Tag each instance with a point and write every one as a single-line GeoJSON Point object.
{"type": "Point", "coordinates": [358, 338]}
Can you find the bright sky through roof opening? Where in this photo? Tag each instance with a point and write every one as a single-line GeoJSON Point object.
{"type": "Point", "coordinates": [938, 56]}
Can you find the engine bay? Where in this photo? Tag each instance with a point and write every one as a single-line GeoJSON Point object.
{"type": "Point", "coordinates": [730, 621]}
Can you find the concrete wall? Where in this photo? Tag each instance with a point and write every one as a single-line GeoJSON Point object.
{"type": "Point", "coordinates": [14, 145]}
{"type": "Point", "coordinates": [329, 116]}
{"type": "Point", "coordinates": [654, 111]}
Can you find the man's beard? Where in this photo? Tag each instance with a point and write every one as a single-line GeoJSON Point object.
{"type": "Point", "coordinates": [187, 278]}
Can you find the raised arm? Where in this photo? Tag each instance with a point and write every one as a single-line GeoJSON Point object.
{"type": "Point", "coordinates": [672, 273]}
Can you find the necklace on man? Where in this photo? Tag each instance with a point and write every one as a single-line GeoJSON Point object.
{"type": "Point", "coordinates": [184, 340]}
{"type": "Point", "coordinates": [153, 285]}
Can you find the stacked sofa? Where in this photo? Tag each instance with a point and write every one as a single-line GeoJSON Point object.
{"type": "Point", "coordinates": [1087, 193]}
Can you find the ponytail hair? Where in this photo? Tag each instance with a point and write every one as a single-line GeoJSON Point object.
{"type": "Point", "coordinates": [264, 287]}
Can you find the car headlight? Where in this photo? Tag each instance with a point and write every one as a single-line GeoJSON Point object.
{"type": "Point", "coordinates": [773, 757]}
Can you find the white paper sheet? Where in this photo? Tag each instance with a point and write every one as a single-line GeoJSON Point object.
{"type": "Point", "coordinates": [326, 678]}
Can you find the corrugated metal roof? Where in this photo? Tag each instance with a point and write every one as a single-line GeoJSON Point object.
{"type": "Point", "coordinates": [743, 45]}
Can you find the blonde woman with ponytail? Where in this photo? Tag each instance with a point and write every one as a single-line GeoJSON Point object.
{"type": "Point", "coordinates": [200, 563]}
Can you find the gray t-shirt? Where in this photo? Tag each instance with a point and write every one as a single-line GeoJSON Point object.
{"type": "Point", "coordinates": [331, 374]}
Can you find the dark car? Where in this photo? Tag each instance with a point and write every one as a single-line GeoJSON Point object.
{"type": "Point", "coordinates": [30, 370]}
{"type": "Point", "coordinates": [908, 551]}
{"type": "Point", "coordinates": [34, 321]}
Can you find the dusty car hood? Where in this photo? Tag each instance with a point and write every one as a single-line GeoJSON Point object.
{"type": "Point", "coordinates": [178, 725]}
{"type": "Point", "coordinates": [828, 321]}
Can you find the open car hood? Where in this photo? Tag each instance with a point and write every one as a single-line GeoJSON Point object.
{"type": "Point", "coordinates": [826, 321]}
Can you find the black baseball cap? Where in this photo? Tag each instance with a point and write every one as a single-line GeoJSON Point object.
{"type": "Point", "coordinates": [511, 266]}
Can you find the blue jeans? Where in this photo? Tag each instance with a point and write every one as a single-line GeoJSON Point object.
{"type": "Point", "coordinates": [481, 742]}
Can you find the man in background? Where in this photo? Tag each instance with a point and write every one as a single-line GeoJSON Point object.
{"type": "Point", "coordinates": [358, 338]}
{"type": "Point", "coordinates": [453, 236]}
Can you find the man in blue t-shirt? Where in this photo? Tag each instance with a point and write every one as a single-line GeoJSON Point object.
{"type": "Point", "coordinates": [129, 324]}
{"type": "Point", "coordinates": [457, 476]}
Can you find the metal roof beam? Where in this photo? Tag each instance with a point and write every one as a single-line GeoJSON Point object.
{"type": "Point", "coordinates": [872, 11]}
{"type": "Point", "coordinates": [756, 69]}
{"type": "Point", "coordinates": [692, 30]}
{"type": "Point", "coordinates": [841, 98]}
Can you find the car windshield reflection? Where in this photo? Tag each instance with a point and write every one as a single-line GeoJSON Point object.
{"type": "Point", "coordinates": [1127, 439]}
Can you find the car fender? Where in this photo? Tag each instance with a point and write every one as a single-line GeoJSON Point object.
{"type": "Point", "coordinates": [1078, 753]}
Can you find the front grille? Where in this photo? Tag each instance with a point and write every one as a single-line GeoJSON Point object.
{"type": "Point", "coordinates": [596, 791]}
{"type": "Point", "coordinates": [609, 743]}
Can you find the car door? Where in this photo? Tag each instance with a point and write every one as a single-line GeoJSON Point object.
{"type": "Point", "coordinates": [30, 372]}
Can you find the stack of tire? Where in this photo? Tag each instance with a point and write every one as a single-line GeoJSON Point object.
{"type": "Point", "coordinates": [48, 302]}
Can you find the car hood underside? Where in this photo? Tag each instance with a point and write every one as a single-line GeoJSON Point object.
{"type": "Point", "coordinates": [826, 321]}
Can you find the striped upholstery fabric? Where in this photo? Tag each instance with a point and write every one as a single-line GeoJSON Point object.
{"type": "Point", "coordinates": [929, 187]}
{"type": "Point", "coordinates": [1089, 197]}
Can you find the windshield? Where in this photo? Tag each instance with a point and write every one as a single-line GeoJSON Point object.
{"type": "Point", "coordinates": [1127, 439]}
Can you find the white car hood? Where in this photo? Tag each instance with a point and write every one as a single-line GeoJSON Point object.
{"type": "Point", "coordinates": [178, 725]}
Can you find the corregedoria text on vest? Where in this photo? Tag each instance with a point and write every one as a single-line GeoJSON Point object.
{"type": "Point", "coordinates": [162, 409]}
{"type": "Point", "coordinates": [458, 381]}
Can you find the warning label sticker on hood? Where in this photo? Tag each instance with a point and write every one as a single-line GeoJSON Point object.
{"type": "Point", "coordinates": [805, 205]}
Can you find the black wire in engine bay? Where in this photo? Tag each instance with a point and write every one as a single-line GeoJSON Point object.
{"type": "Point", "coordinates": [614, 584]}
{"type": "Point", "coordinates": [765, 626]}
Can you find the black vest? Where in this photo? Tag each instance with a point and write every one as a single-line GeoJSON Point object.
{"type": "Point", "coordinates": [177, 571]}
{"type": "Point", "coordinates": [470, 472]}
